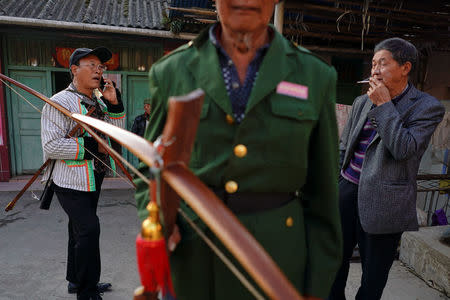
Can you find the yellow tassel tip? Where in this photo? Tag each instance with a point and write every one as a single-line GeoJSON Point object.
{"type": "Point", "coordinates": [151, 227]}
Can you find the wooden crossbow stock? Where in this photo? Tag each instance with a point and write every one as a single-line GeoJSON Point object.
{"type": "Point", "coordinates": [172, 155]}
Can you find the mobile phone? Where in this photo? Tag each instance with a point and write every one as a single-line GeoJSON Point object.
{"type": "Point", "coordinates": [102, 84]}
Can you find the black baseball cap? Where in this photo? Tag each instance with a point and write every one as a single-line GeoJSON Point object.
{"type": "Point", "coordinates": [102, 53]}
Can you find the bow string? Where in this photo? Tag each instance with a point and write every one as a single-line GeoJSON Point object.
{"type": "Point", "coordinates": [225, 225]}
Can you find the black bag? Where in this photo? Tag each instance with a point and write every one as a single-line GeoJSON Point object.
{"type": "Point", "coordinates": [47, 195]}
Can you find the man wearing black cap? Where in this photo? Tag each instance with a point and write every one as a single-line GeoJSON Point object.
{"type": "Point", "coordinates": [80, 164]}
{"type": "Point", "coordinates": [141, 122]}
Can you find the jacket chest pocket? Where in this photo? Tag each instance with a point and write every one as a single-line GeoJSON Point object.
{"type": "Point", "coordinates": [290, 126]}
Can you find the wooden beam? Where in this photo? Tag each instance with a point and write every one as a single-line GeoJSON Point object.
{"type": "Point", "coordinates": [357, 27]}
{"type": "Point", "coordinates": [327, 36]}
{"type": "Point", "coordinates": [198, 11]}
{"type": "Point", "coordinates": [393, 9]}
{"type": "Point", "coordinates": [417, 40]}
{"type": "Point", "coordinates": [339, 50]}
{"type": "Point", "coordinates": [199, 16]}
{"type": "Point", "coordinates": [312, 7]}
{"type": "Point", "coordinates": [206, 21]}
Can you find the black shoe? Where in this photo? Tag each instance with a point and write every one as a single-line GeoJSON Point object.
{"type": "Point", "coordinates": [97, 296]}
{"type": "Point", "coordinates": [102, 287]}
{"type": "Point", "coordinates": [72, 288]}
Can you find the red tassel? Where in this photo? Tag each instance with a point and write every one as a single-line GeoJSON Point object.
{"type": "Point", "coordinates": [152, 258]}
{"type": "Point", "coordinates": [153, 265]}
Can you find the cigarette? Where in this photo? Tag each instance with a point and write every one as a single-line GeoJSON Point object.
{"type": "Point", "coordinates": [363, 81]}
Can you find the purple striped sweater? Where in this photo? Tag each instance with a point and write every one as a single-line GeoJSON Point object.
{"type": "Point", "coordinates": [354, 168]}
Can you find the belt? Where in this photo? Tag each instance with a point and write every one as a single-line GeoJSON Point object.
{"type": "Point", "coordinates": [251, 202]}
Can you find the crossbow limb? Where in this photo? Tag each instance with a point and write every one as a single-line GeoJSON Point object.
{"type": "Point", "coordinates": [197, 195]}
{"type": "Point", "coordinates": [175, 173]}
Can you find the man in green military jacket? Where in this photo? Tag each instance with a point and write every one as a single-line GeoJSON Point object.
{"type": "Point", "coordinates": [266, 144]}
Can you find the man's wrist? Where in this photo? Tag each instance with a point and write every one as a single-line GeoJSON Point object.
{"type": "Point", "coordinates": [114, 108]}
{"type": "Point", "coordinates": [112, 102]}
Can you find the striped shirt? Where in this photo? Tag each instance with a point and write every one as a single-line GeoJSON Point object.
{"type": "Point", "coordinates": [71, 169]}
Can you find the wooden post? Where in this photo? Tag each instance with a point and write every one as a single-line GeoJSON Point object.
{"type": "Point", "coordinates": [279, 16]}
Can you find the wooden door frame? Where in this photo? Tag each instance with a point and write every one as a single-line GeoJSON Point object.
{"type": "Point", "coordinates": [5, 167]}
{"type": "Point", "coordinates": [15, 163]}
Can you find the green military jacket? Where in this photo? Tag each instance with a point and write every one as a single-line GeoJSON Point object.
{"type": "Point", "coordinates": [291, 141]}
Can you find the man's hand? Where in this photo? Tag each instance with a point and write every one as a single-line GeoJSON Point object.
{"type": "Point", "coordinates": [101, 149]}
{"type": "Point", "coordinates": [109, 92]}
{"type": "Point", "coordinates": [378, 92]}
{"type": "Point", "coordinates": [174, 238]}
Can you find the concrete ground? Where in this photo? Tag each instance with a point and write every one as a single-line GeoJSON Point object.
{"type": "Point", "coordinates": [402, 285]}
{"type": "Point", "coordinates": [33, 250]}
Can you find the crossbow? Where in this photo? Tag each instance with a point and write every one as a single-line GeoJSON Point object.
{"type": "Point", "coordinates": [171, 156]}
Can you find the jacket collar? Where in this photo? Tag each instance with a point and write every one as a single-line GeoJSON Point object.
{"type": "Point", "coordinates": [204, 66]}
{"type": "Point", "coordinates": [84, 98]}
{"type": "Point", "coordinates": [404, 102]}
{"type": "Point", "coordinates": [274, 68]}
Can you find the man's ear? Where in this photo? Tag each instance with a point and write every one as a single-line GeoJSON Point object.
{"type": "Point", "coordinates": [406, 68]}
{"type": "Point", "coordinates": [73, 68]}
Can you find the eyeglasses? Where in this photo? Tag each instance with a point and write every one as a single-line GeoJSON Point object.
{"type": "Point", "coordinates": [93, 66]}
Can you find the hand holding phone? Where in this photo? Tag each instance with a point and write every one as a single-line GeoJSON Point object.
{"type": "Point", "coordinates": [108, 90]}
{"type": "Point", "coordinates": [102, 84]}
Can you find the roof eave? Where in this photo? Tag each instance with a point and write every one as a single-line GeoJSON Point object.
{"type": "Point", "coordinates": [40, 23]}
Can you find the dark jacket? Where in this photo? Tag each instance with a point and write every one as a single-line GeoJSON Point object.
{"type": "Point", "coordinates": [387, 186]}
{"type": "Point", "coordinates": [139, 125]}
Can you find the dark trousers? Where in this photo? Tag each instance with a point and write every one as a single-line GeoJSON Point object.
{"type": "Point", "coordinates": [377, 250]}
{"type": "Point", "coordinates": [83, 254]}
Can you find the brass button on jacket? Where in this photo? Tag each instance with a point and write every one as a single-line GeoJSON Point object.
{"type": "Point", "coordinates": [240, 150]}
{"type": "Point", "coordinates": [289, 222]}
{"type": "Point", "coordinates": [229, 119]}
{"type": "Point", "coordinates": [231, 187]}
